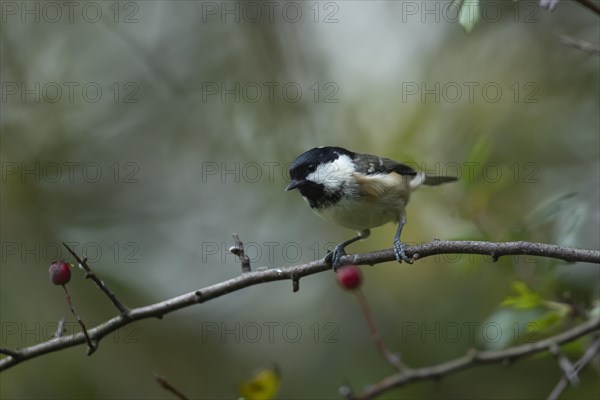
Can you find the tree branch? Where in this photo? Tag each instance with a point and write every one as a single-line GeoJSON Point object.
{"type": "Point", "coordinates": [9, 352]}
{"type": "Point", "coordinates": [238, 250]}
{"type": "Point", "coordinates": [474, 358]}
{"type": "Point", "coordinates": [565, 364]}
{"type": "Point", "coordinates": [60, 329]}
{"type": "Point", "coordinates": [394, 359]}
{"type": "Point", "coordinates": [583, 45]}
{"type": "Point", "coordinates": [91, 346]}
{"type": "Point", "coordinates": [164, 383]}
{"type": "Point", "coordinates": [294, 273]}
{"type": "Point", "coordinates": [91, 275]}
{"type": "Point", "coordinates": [590, 5]}
{"type": "Point", "coordinates": [589, 354]}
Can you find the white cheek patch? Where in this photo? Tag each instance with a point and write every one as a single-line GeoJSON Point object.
{"type": "Point", "coordinates": [333, 174]}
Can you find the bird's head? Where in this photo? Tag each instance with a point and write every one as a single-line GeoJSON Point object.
{"type": "Point", "coordinates": [320, 174]}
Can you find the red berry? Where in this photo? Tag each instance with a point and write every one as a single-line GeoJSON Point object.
{"type": "Point", "coordinates": [60, 272]}
{"type": "Point", "coordinates": [349, 277]}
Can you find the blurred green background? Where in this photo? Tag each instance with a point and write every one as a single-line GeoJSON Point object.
{"type": "Point", "coordinates": [145, 133]}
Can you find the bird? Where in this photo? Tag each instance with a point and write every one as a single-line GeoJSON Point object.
{"type": "Point", "coordinates": [357, 191]}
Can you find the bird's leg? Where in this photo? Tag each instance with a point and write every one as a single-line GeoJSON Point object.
{"type": "Point", "coordinates": [339, 251]}
{"type": "Point", "coordinates": [398, 245]}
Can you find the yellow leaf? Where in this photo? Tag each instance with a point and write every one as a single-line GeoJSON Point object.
{"type": "Point", "coordinates": [262, 386]}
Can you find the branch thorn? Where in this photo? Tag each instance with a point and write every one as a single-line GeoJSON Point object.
{"type": "Point", "coordinates": [295, 283]}
{"type": "Point", "coordinates": [238, 250]}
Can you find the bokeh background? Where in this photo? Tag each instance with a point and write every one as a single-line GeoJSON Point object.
{"type": "Point", "coordinates": [145, 133]}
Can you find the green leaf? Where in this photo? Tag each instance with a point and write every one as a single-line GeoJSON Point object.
{"type": "Point", "coordinates": [547, 320]}
{"type": "Point", "coordinates": [469, 14]}
{"type": "Point", "coordinates": [525, 298]}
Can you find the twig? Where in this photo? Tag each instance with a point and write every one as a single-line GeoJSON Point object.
{"type": "Point", "coordinates": [91, 275]}
{"type": "Point", "coordinates": [60, 329]}
{"type": "Point", "coordinates": [9, 352]}
{"type": "Point", "coordinates": [91, 347]}
{"type": "Point", "coordinates": [588, 356]}
{"type": "Point", "coordinates": [549, 4]}
{"type": "Point", "coordinates": [590, 5]}
{"type": "Point", "coordinates": [296, 272]}
{"type": "Point", "coordinates": [583, 45]}
{"type": "Point", "coordinates": [565, 364]}
{"type": "Point", "coordinates": [168, 387]}
{"type": "Point", "coordinates": [393, 358]}
{"type": "Point", "coordinates": [474, 358]}
{"type": "Point", "coordinates": [238, 250]}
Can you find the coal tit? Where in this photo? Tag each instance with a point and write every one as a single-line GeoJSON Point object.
{"type": "Point", "coordinates": [357, 191]}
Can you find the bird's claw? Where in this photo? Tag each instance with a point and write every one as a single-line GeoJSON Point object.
{"type": "Point", "coordinates": [400, 254]}
{"type": "Point", "coordinates": [335, 257]}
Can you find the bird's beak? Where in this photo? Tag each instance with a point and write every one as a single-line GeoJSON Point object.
{"type": "Point", "coordinates": [293, 185]}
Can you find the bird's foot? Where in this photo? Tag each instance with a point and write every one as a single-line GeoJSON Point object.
{"type": "Point", "coordinates": [400, 254]}
{"type": "Point", "coordinates": [335, 257]}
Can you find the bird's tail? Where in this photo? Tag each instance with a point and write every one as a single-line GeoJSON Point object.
{"type": "Point", "coordinates": [434, 180]}
{"type": "Point", "coordinates": [429, 180]}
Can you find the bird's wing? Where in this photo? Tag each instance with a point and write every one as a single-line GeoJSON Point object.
{"type": "Point", "coordinates": [370, 164]}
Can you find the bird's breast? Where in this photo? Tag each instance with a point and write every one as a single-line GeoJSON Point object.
{"type": "Point", "coordinates": [363, 213]}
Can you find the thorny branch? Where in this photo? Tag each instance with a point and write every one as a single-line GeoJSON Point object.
{"type": "Point", "coordinates": [165, 384]}
{"type": "Point", "coordinates": [91, 275]}
{"type": "Point", "coordinates": [590, 5]}
{"type": "Point", "coordinates": [583, 45]}
{"type": "Point", "coordinates": [294, 273]}
{"type": "Point", "coordinates": [589, 354]}
{"type": "Point", "coordinates": [238, 250]}
{"type": "Point", "coordinates": [474, 358]}
{"type": "Point", "coordinates": [91, 346]}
